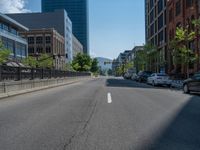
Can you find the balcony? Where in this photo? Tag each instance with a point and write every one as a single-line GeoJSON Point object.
{"type": "Point", "coordinates": [12, 36]}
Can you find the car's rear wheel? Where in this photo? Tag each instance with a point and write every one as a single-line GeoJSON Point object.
{"type": "Point", "coordinates": [186, 89]}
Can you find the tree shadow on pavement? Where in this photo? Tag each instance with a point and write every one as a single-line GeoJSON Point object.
{"type": "Point", "coordinates": [183, 133]}
{"type": "Point", "coordinates": [125, 83]}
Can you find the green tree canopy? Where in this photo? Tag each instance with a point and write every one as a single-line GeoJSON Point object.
{"type": "Point", "coordinates": [182, 53]}
{"type": "Point", "coordinates": [94, 66]}
{"type": "Point", "coordinates": [82, 62]}
{"type": "Point", "coordinates": [68, 67]}
{"type": "Point", "coordinates": [141, 60]}
{"type": "Point", "coordinates": [45, 61]}
{"type": "Point", "coordinates": [4, 53]}
{"type": "Point", "coordinates": [30, 62]}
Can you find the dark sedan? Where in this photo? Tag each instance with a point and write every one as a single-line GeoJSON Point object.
{"type": "Point", "coordinates": [143, 75]}
{"type": "Point", "coordinates": [192, 84]}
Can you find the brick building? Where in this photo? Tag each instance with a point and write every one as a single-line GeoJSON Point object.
{"type": "Point", "coordinates": [181, 13]}
{"type": "Point", "coordinates": [46, 41]}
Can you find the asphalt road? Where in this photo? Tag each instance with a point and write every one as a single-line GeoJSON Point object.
{"type": "Point", "coordinates": [101, 114]}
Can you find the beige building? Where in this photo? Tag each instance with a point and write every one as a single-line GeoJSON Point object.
{"type": "Point", "coordinates": [77, 47]}
{"type": "Point", "coordinates": [46, 41]}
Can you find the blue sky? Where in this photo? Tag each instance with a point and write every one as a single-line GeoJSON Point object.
{"type": "Point", "coordinates": [115, 25]}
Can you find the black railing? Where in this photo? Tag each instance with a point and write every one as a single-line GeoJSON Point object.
{"type": "Point", "coordinates": [23, 73]}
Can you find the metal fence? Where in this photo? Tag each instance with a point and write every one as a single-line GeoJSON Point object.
{"type": "Point", "coordinates": [23, 73]}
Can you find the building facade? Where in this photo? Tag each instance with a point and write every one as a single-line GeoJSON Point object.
{"type": "Point", "coordinates": [58, 20]}
{"type": "Point", "coordinates": [9, 35]}
{"type": "Point", "coordinates": [78, 13]}
{"type": "Point", "coordinates": [156, 32]}
{"type": "Point", "coordinates": [76, 46]}
{"type": "Point", "coordinates": [46, 41]}
{"type": "Point", "coordinates": [181, 13]}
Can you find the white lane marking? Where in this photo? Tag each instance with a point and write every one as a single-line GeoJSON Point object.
{"type": "Point", "coordinates": [109, 97]}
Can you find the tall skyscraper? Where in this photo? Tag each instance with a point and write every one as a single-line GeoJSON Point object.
{"type": "Point", "coordinates": [78, 13]}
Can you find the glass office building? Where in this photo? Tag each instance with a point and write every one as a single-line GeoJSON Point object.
{"type": "Point", "coordinates": [78, 13]}
{"type": "Point", "coordinates": [9, 35]}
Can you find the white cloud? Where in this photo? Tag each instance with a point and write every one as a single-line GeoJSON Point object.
{"type": "Point", "coordinates": [13, 6]}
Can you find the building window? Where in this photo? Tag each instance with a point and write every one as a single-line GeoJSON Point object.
{"type": "Point", "coordinates": [151, 3]}
{"type": "Point", "coordinates": [48, 39]}
{"type": "Point", "coordinates": [10, 45]}
{"type": "Point", "coordinates": [39, 40]}
{"type": "Point", "coordinates": [152, 30]}
{"type": "Point", "coordinates": [178, 25]}
{"type": "Point", "coordinates": [160, 6]}
{"type": "Point", "coordinates": [30, 40]}
{"type": "Point", "coordinates": [23, 50]}
{"type": "Point", "coordinates": [39, 49]}
{"type": "Point", "coordinates": [160, 22]}
{"type": "Point", "coordinates": [13, 31]}
{"type": "Point", "coordinates": [178, 8]}
{"type": "Point", "coordinates": [5, 27]}
{"type": "Point", "coordinates": [160, 38]}
{"type": "Point", "coordinates": [18, 50]}
{"type": "Point", "coordinates": [48, 49]}
{"type": "Point", "coordinates": [151, 16]}
{"type": "Point", "coordinates": [189, 3]}
{"type": "Point", "coordinates": [31, 50]}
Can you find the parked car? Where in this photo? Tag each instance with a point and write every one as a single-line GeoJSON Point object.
{"type": "Point", "coordinates": [134, 76]}
{"type": "Point", "coordinates": [142, 76]}
{"type": "Point", "coordinates": [159, 79]}
{"type": "Point", "coordinates": [192, 84]}
{"type": "Point", "coordinates": [127, 75]}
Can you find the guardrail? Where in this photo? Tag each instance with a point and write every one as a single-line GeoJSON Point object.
{"type": "Point", "coordinates": [24, 73]}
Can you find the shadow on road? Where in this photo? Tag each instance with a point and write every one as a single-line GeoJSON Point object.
{"type": "Point", "coordinates": [125, 83]}
{"type": "Point", "coordinates": [183, 133]}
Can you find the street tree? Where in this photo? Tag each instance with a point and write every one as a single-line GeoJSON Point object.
{"type": "Point", "coordinates": [151, 55]}
{"type": "Point", "coordinates": [68, 67]}
{"type": "Point", "coordinates": [4, 53]}
{"type": "Point", "coordinates": [94, 66]}
{"type": "Point", "coordinates": [119, 71]}
{"type": "Point", "coordinates": [45, 61]}
{"type": "Point", "coordinates": [182, 54]}
{"type": "Point", "coordinates": [128, 65]}
{"type": "Point", "coordinates": [30, 62]}
{"type": "Point", "coordinates": [196, 24]}
{"type": "Point", "coordinates": [140, 60]}
{"type": "Point", "coordinates": [82, 62]}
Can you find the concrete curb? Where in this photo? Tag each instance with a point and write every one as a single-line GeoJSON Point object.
{"type": "Point", "coordinates": [16, 93]}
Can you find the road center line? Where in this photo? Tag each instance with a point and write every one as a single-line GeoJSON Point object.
{"type": "Point", "coordinates": [109, 97]}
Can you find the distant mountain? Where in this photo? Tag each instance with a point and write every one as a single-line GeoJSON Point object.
{"type": "Point", "coordinates": [103, 66]}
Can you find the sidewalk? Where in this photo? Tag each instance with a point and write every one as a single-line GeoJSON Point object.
{"type": "Point", "coordinates": [20, 92]}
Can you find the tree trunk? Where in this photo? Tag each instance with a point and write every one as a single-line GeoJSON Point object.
{"type": "Point", "coordinates": [188, 74]}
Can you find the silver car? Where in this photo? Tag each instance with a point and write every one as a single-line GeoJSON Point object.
{"type": "Point", "coordinates": [159, 79]}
